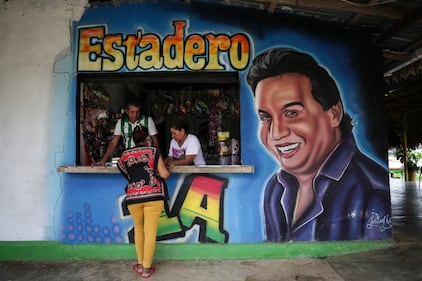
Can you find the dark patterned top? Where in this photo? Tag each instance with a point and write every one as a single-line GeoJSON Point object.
{"type": "Point", "coordinates": [139, 166]}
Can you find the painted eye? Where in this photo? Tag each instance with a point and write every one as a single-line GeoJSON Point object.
{"type": "Point", "coordinates": [264, 117]}
{"type": "Point", "coordinates": [291, 113]}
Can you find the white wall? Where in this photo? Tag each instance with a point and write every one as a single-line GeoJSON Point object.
{"type": "Point", "coordinates": [32, 33]}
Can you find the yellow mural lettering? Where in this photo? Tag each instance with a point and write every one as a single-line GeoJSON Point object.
{"type": "Point", "coordinates": [132, 59]}
{"type": "Point", "coordinates": [109, 52]}
{"type": "Point", "coordinates": [150, 57]}
{"type": "Point", "coordinates": [89, 58]}
{"type": "Point", "coordinates": [114, 57]}
{"type": "Point", "coordinates": [173, 47]}
{"type": "Point", "coordinates": [195, 46]}
{"type": "Point", "coordinates": [217, 43]}
{"type": "Point", "coordinates": [239, 51]}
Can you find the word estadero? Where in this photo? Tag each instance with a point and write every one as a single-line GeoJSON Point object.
{"type": "Point", "coordinates": [98, 51]}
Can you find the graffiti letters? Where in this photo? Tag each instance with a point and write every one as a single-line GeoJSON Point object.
{"type": "Point", "coordinates": [199, 202]}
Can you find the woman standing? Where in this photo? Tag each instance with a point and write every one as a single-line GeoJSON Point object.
{"type": "Point", "coordinates": [185, 149]}
{"type": "Point", "coordinates": [145, 170]}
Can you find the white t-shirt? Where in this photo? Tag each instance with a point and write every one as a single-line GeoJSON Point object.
{"type": "Point", "coordinates": [152, 130]}
{"type": "Point", "coordinates": [191, 146]}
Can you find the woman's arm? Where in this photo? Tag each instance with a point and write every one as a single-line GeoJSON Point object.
{"type": "Point", "coordinates": [187, 160]}
{"type": "Point", "coordinates": [162, 169]}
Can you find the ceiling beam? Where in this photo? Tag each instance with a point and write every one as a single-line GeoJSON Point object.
{"type": "Point", "coordinates": [393, 55]}
{"type": "Point", "coordinates": [339, 6]}
{"type": "Point", "coordinates": [356, 17]}
{"type": "Point", "coordinates": [406, 21]}
{"type": "Point", "coordinates": [272, 7]}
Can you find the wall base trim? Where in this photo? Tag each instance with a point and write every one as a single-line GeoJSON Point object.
{"type": "Point", "coordinates": [53, 250]}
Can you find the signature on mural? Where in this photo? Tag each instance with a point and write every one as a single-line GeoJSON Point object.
{"type": "Point", "coordinates": [382, 223]}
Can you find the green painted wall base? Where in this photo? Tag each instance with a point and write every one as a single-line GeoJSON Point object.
{"type": "Point", "coordinates": [45, 250]}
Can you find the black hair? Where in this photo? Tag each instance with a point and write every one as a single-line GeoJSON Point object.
{"type": "Point", "coordinates": [280, 61]}
{"type": "Point", "coordinates": [179, 124]}
{"type": "Point", "coordinates": [133, 103]}
{"type": "Point", "coordinates": [140, 134]}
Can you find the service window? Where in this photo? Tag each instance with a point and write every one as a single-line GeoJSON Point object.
{"type": "Point", "coordinates": [207, 101]}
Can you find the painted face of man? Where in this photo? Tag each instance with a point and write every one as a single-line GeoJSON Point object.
{"type": "Point", "coordinates": [133, 112]}
{"type": "Point", "coordinates": [294, 126]}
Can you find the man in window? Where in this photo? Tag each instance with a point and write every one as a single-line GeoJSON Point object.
{"type": "Point", "coordinates": [326, 188]}
{"type": "Point", "coordinates": [125, 126]}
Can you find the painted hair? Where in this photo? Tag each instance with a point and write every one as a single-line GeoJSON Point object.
{"type": "Point", "coordinates": [280, 61]}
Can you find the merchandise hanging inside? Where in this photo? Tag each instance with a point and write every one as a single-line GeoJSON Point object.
{"type": "Point", "coordinates": [207, 101]}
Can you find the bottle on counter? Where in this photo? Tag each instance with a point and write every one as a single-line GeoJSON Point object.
{"type": "Point", "coordinates": [224, 148]}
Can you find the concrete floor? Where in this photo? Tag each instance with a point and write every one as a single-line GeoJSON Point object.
{"type": "Point", "coordinates": [401, 261]}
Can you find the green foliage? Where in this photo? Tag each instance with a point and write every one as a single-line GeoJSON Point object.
{"type": "Point", "coordinates": [412, 158]}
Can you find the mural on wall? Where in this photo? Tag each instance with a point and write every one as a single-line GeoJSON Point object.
{"type": "Point", "coordinates": [307, 124]}
{"type": "Point", "coordinates": [326, 187]}
{"type": "Point", "coordinates": [195, 213]}
{"type": "Point", "coordinates": [199, 202]}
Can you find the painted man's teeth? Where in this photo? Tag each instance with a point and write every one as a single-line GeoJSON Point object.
{"type": "Point", "coordinates": [288, 148]}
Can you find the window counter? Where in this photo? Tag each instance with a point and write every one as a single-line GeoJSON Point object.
{"type": "Point", "coordinates": [188, 169]}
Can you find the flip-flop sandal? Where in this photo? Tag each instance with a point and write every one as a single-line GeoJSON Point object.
{"type": "Point", "coordinates": [148, 274]}
{"type": "Point", "coordinates": [137, 268]}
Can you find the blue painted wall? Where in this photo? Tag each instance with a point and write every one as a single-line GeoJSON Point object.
{"type": "Point", "coordinates": [89, 209]}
